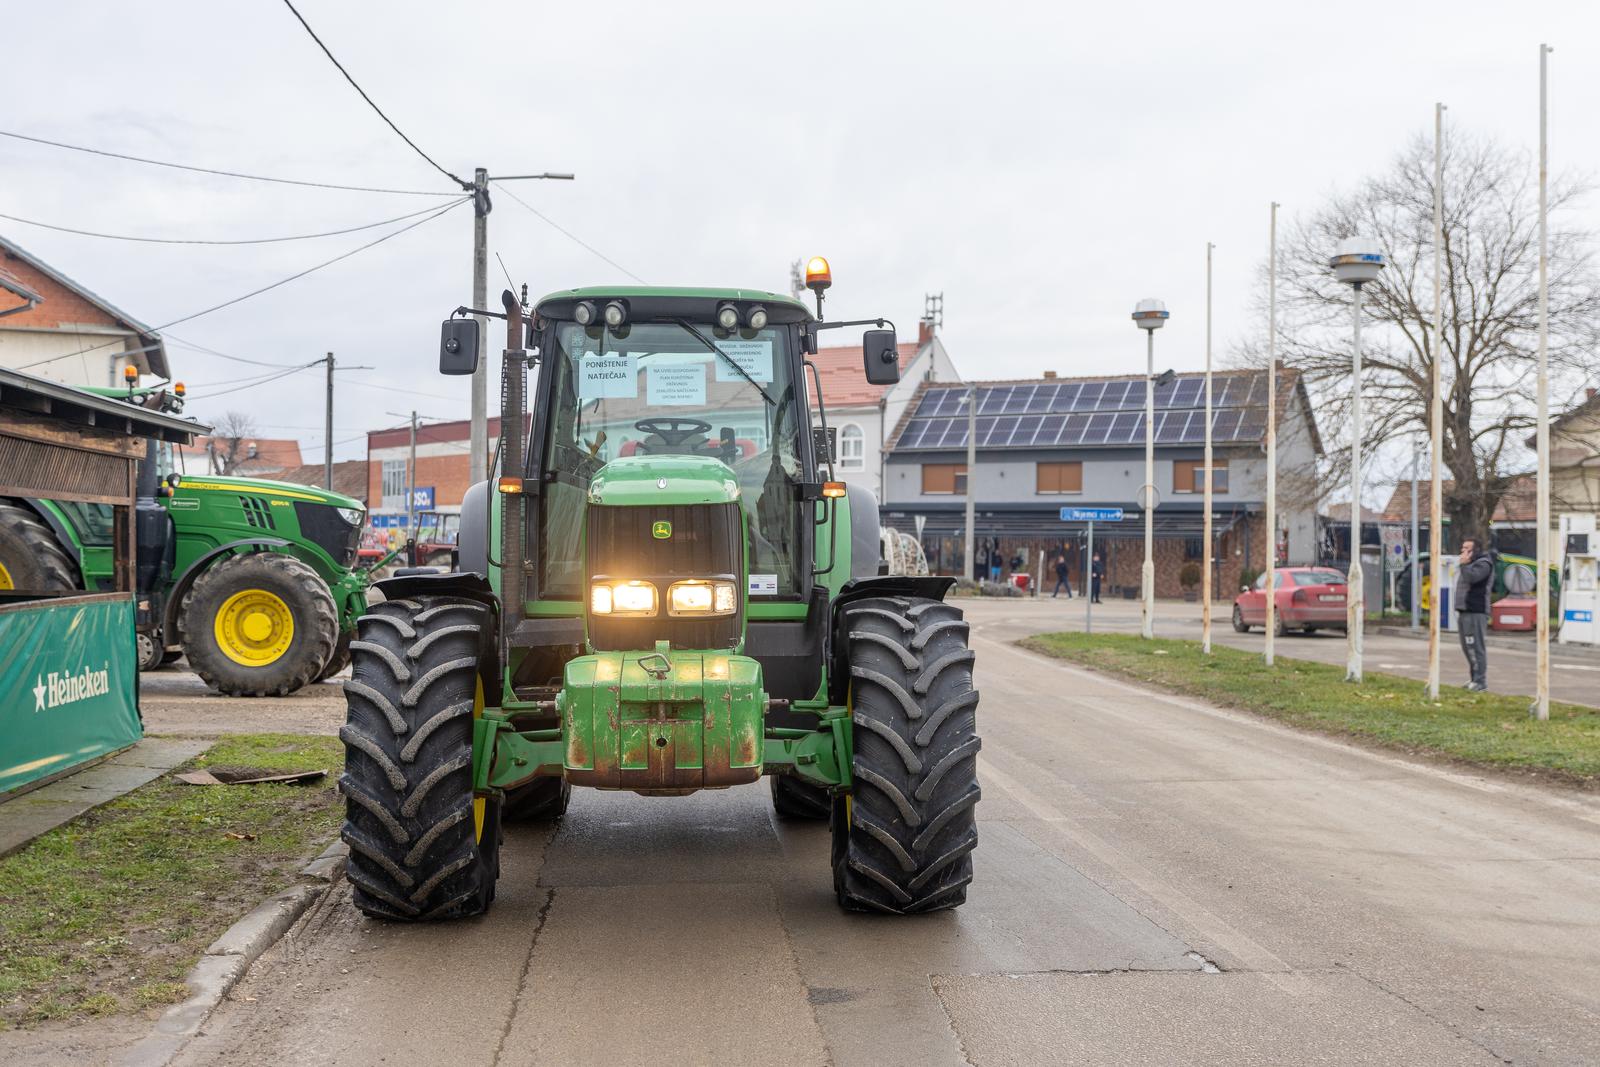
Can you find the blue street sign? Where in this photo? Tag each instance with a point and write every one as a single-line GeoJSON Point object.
{"type": "Point", "coordinates": [422, 498]}
{"type": "Point", "coordinates": [1091, 514]}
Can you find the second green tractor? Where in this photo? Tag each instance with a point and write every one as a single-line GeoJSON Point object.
{"type": "Point", "coordinates": [661, 590]}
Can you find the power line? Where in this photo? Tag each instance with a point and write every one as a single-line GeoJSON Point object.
{"type": "Point", "coordinates": [222, 173]}
{"type": "Point", "coordinates": [264, 288]}
{"type": "Point", "coordinates": [197, 241]}
{"type": "Point", "coordinates": [568, 233]}
{"type": "Point", "coordinates": [260, 381]}
{"type": "Point", "coordinates": [368, 99]}
{"type": "Point", "coordinates": [213, 352]}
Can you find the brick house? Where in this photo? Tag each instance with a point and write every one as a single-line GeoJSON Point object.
{"type": "Point", "coordinates": [443, 466]}
{"type": "Point", "coordinates": [55, 327]}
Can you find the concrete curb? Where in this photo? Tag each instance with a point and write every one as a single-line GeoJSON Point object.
{"type": "Point", "coordinates": [229, 957]}
{"type": "Point", "coordinates": [1512, 644]}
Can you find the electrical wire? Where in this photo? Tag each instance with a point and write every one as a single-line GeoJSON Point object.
{"type": "Point", "coordinates": [197, 241]}
{"type": "Point", "coordinates": [253, 384]}
{"type": "Point", "coordinates": [223, 173]}
{"type": "Point", "coordinates": [175, 339]}
{"type": "Point", "coordinates": [265, 288]}
{"type": "Point", "coordinates": [568, 233]}
{"type": "Point", "coordinates": [368, 99]}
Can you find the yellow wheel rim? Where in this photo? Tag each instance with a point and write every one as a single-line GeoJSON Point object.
{"type": "Point", "coordinates": [254, 628]}
{"type": "Point", "coordinates": [479, 804]}
{"type": "Point", "coordinates": [5, 578]}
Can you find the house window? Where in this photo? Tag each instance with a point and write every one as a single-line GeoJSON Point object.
{"type": "Point", "coordinates": [852, 448]}
{"type": "Point", "coordinates": [944, 478]}
{"type": "Point", "coordinates": [394, 484]}
{"type": "Point", "coordinates": [1194, 549]}
{"type": "Point", "coordinates": [1052, 478]}
{"type": "Point", "coordinates": [1188, 476]}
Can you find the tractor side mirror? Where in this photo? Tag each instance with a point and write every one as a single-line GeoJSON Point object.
{"type": "Point", "coordinates": [458, 346]}
{"type": "Point", "coordinates": [881, 357]}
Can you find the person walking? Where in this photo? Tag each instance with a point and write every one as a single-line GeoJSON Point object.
{"type": "Point", "coordinates": [1472, 610]}
{"type": "Point", "coordinates": [1061, 578]}
{"type": "Point", "coordinates": [1097, 571]}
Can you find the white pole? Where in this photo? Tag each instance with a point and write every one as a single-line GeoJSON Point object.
{"type": "Point", "coordinates": [1148, 571]}
{"type": "Point", "coordinates": [1087, 580]}
{"type": "Point", "coordinates": [1436, 413]}
{"type": "Point", "coordinates": [972, 469]}
{"type": "Point", "coordinates": [1205, 579]}
{"type": "Point", "coordinates": [1270, 651]}
{"type": "Point", "coordinates": [1356, 598]}
{"type": "Point", "coordinates": [1541, 702]}
{"type": "Point", "coordinates": [1416, 564]}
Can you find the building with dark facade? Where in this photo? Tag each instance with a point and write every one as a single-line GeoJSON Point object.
{"type": "Point", "coordinates": [1050, 442]}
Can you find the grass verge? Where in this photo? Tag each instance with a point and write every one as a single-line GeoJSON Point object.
{"type": "Point", "coordinates": [1484, 729]}
{"type": "Point", "coordinates": [107, 913]}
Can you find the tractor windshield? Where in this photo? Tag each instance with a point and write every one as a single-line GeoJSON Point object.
{"type": "Point", "coordinates": [656, 389]}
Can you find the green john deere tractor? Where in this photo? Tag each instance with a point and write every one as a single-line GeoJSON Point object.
{"type": "Point", "coordinates": [662, 591]}
{"type": "Point", "coordinates": [252, 580]}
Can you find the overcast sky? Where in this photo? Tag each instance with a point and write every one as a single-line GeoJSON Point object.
{"type": "Point", "coordinates": [1043, 165]}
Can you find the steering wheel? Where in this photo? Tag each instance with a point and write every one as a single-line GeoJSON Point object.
{"type": "Point", "coordinates": [673, 432]}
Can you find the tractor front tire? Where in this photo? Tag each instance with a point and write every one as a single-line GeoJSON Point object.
{"type": "Point", "coordinates": [258, 625]}
{"type": "Point", "coordinates": [422, 845]}
{"type": "Point", "coordinates": [903, 836]}
{"type": "Point", "coordinates": [796, 799]}
{"type": "Point", "coordinates": [30, 557]}
{"type": "Point", "coordinates": [541, 800]}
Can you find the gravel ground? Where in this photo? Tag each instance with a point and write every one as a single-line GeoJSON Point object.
{"type": "Point", "coordinates": [175, 701]}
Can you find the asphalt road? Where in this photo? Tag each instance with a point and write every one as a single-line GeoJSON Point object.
{"type": "Point", "coordinates": [1158, 882]}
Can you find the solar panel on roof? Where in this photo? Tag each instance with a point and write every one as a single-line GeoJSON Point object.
{"type": "Point", "coordinates": [1043, 397]}
{"type": "Point", "coordinates": [1225, 426]}
{"type": "Point", "coordinates": [1113, 396]}
{"type": "Point", "coordinates": [1171, 426]}
{"type": "Point", "coordinates": [1067, 396]}
{"type": "Point", "coordinates": [1089, 396]}
{"type": "Point", "coordinates": [1125, 428]}
{"type": "Point", "coordinates": [1187, 394]}
{"type": "Point", "coordinates": [1196, 431]}
{"type": "Point", "coordinates": [1017, 399]}
{"type": "Point", "coordinates": [1026, 432]}
{"type": "Point", "coordinates": [1050, 429]}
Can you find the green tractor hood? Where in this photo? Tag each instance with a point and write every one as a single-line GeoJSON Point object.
{"type": "Point", "coordinates": [233, 484]}
{"type": "Point", "coordinates": [669, 480]}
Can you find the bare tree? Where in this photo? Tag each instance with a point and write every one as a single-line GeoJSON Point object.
{"type": "Point", "coordinates": [1490, 312]}
{"type": "Point", "coordinates": [230, 441]}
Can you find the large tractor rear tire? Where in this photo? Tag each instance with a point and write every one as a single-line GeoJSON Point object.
{"type": "Point", "coordinates": [795, 799]}
{"type": "Point", "coordinates": [30, 557]}
{"type": "Point", "coordinates": [422, 845]}
{"type": "Point", "coordinates": [903, 836]}
{"type": "Point", "coordinates": [258, 625]}
{"type": "Point", "coordinates": [340, 658]}
{"type": "Point", "coordinates": [541, 800]}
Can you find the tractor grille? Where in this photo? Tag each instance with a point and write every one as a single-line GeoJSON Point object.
{"type": "Point", "coordinates": [707, 542]}
{"type": "Point", "coordinates": [321, 524]}
{"type": "Point", "coordinates": [256, 512]}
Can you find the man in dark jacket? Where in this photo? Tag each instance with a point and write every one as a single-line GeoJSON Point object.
{"type": "Point", "coordinates": [1097, 571]}
{"type": "Point", "coordinates": [1472, 610]}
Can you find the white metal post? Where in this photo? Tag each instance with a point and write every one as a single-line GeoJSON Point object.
{"type": "Point", "coordinates": [1148, 571]}
{"type": "Point", "coordinates": [1088, 582]}
{"type": "Point", "coordinates": [1205, 577]}
{"type": "Point", "coordinates": [1355, 591]}
{"type": "Point", "coordinates": [1269, 651]}
{"type": "Point", "coordinates": [1436, 412]}
{"type": "Point", "coordinates": [1541, 535]}
{"type": "Point", "coordinates": [1416, 564]}
{"type": "Point", "coordinates": [972, 469]}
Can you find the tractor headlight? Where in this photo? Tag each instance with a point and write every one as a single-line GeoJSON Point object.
{"type": "Point", "coordinates": [622, 598]}
{"type": "Point", "coordinates": [698, 597]}
{"type": "Point", "coordinates": [351, 515]}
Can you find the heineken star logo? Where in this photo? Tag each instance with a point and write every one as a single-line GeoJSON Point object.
{"type": "Point", "coordinates": [38, 692]}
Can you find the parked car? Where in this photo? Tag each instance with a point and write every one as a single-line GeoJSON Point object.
{"type": "Point", "coordinates": [1308, 598]}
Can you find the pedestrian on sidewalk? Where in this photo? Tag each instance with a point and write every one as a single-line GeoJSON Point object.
{"type": "Point", "coordinates": [1472, 610]}
{"type": "Point", "coordinates": [1061, 578]}
{"type": "Point", "coordinates": [1097, 571]}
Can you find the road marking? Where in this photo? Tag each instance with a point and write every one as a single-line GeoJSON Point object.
{"type": "Point", "coordinates": [1577, 807]}
{"type": "Point", "coordinates": [1573, 667]}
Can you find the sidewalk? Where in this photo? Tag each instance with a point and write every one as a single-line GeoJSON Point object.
{"type": "Point", "coordinates": [25, 817]}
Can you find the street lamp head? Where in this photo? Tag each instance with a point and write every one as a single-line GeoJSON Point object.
{"type": "Point", "coordinates": [1150, 314]}
{"type": "Point", "coordinates": [1357, 261]}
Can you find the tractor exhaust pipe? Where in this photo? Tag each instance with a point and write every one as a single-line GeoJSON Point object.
{"type": "Point", "coordinates": [513, 463]}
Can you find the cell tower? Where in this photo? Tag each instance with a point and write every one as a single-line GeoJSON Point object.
{"type": "Point", "coordinates": [933, 310]}
{"type": "Point", "coordinates": [797, 280]}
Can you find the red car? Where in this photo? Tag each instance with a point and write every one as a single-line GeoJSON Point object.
{"type": "Point", "coordinates": [1308, 598]}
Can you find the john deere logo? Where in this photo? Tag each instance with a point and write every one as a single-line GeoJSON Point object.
{"type": "Point", "coordinates": [661, 530]}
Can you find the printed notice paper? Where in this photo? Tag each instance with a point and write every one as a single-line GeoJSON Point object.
{"type": "Point", "coordinates": [753, 357]}
{"type": "Point", "coordinates": [608, 377]}
{"type": "Point", "coordinates": [763, 585]}
{"type": "Point", "coordinates": [677, 384]}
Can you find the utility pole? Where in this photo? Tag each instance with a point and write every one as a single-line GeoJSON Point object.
{"type": "Point", "coordinates": [1269, 632]}
{"type": "Point", "coordinates": [1205, 537]}
{"type": "Point", "coordinates": [411, 489]}
{"type": "Point", "coordinates": [1416, 563]}
{"type": "Point", "coordinates": [478, 461]}
{"type": "Point", "coordinates": [327, 435]}
{"type": "Point", "coordinates": [1436, 406]}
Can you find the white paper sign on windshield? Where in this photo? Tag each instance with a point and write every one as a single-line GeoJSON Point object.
{"type": "Point", "coordinates": [753, 357]}
{"type": "Point", "coordinates": [677, 384]}
{"type": "Point", "coordinates": [608, 377]}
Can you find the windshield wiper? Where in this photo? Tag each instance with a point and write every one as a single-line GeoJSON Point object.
{"type": "Point", "coordinates": [703, 339]}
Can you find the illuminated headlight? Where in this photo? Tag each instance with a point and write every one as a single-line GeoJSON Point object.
{"type": "Point", "coordinates": [351, 515]}
{"type": "Point", "coordinates": [697, 597]}
{"type": "Point", "coordinates": [622, 598]}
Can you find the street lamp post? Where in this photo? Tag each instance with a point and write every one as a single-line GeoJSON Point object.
{"type": "Point", "coordinates": [1149, 315]}
{"type": "Point", "coordinates": [1356, 262]}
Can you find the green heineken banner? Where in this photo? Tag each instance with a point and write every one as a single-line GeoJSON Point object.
{"type": "Point", "coordinates": [69, 684]}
